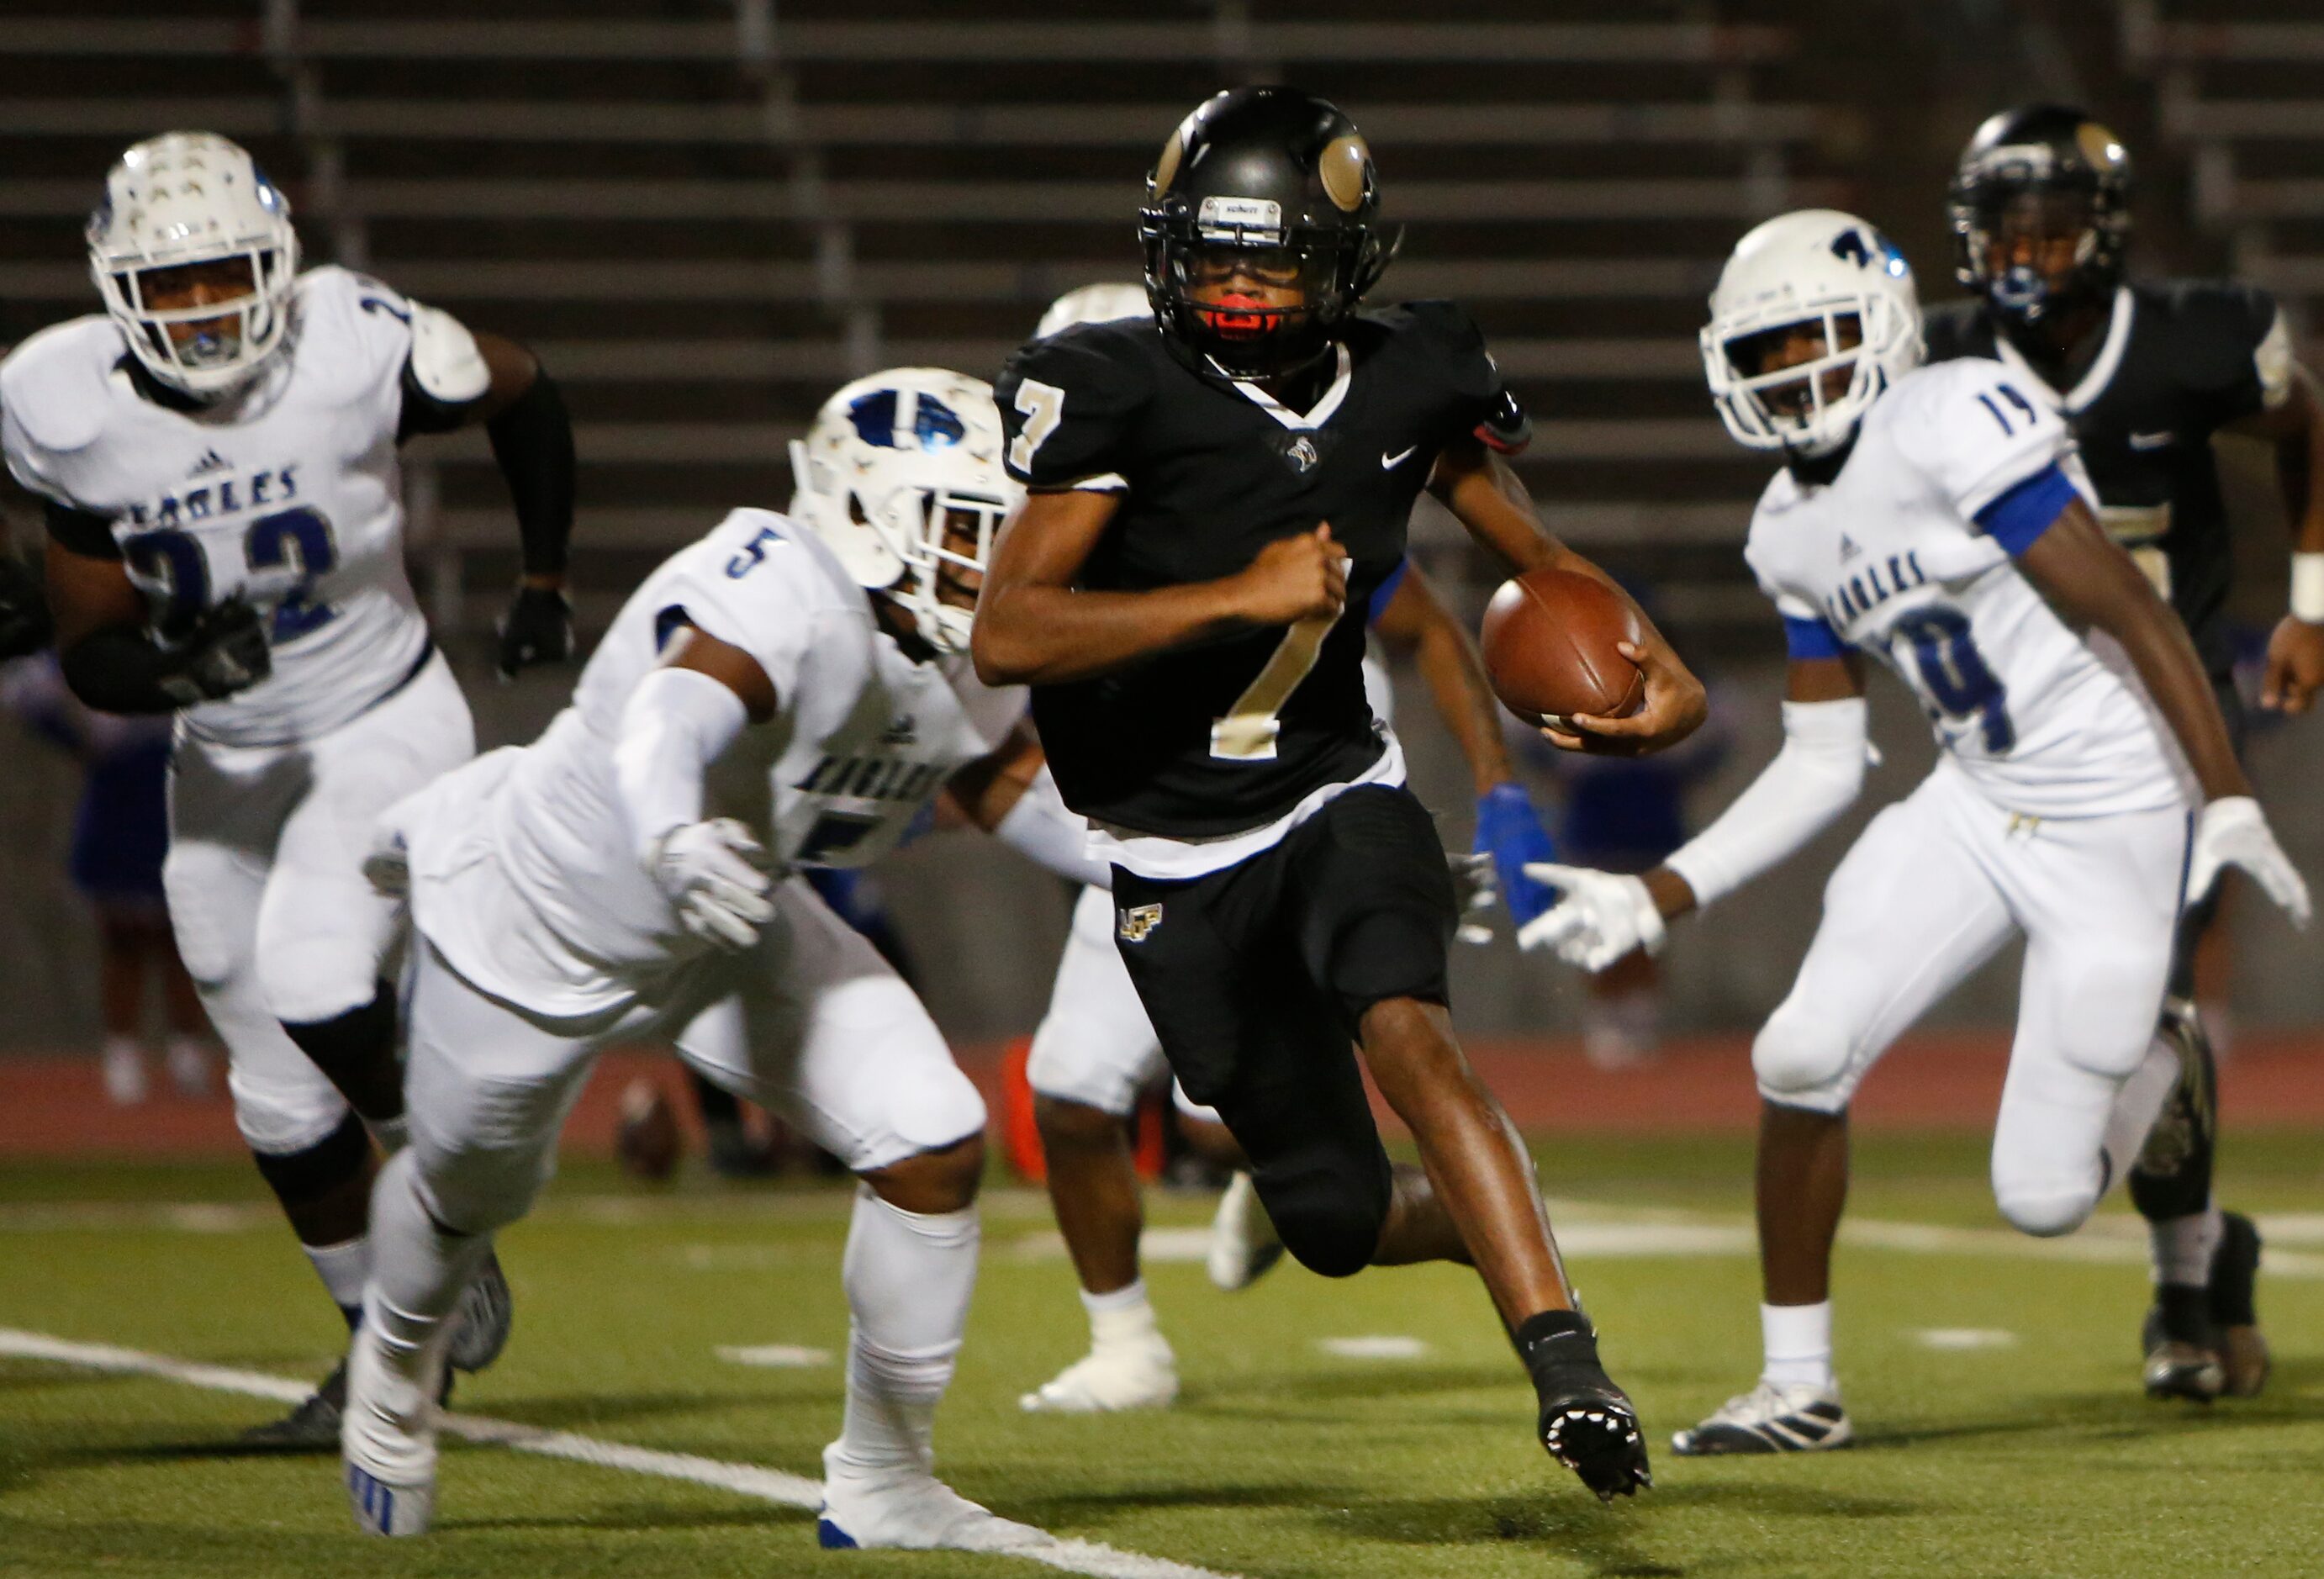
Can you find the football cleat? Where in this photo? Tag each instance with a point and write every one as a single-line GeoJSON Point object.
{"type": "Point", "coordinates": [311, 1427]}
{"type": "Point", "coordinates": [2172, 1176]}
{"type": "Point", "coordinates": [2178, 1368]}
{"type": "Point", "coordinates": [481, 1323]}
{"type": "Point", "coordinates": [1140, 1377]}
{"type": "Point", "coordinates": [1243, 1240]}
{"type": "Point", "coordinates": [1586, 1423]}
{"type": "Point", "coordinates": [1772, 1417]}
{"type": "Point", "coordinates": [2234, 1269]}
{"type": "Point", "coordinates": [911, 1510]}
{"type": "Point", "coordinates": [387, 1437]}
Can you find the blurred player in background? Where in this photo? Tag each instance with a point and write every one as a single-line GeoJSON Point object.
{"type": "Point", "coordinates": [1095, 1050]}
{"type": "Point", "coordinates": [789, 692]}
{"type": "Point", "coordinates": [1938, 517]}
{"type": "Point", "coordinates": [121, 832]}
{"type": "Point", "coordinates": [218, 454]}
{"type": "Point", "coordinates": [1217, 492]}
{"type": "Point", "coordinates": [2144, 373]}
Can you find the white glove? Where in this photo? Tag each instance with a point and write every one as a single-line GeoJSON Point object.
{"type": "Point", "coordinates": [713, 873]}
{"type": "Point", "coordinates": [1599, 918]}
{"type": "Point", "coordinates": [1476, 891]}
{"type": "Point", "coordinates": [2233, 832]}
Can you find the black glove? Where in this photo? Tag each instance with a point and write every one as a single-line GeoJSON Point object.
{"type": "Point", "coordinates": [225, 650]}
{"type": "Point", "coordinates": [24, 623]}
{"type": "Point", "coordinates": [537, 629]}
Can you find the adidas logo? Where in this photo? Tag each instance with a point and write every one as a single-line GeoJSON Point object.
{"type": "Point", "coordinates": [1847, 549]}
{"type": "Point", "coordinates": [904, 730]}
{"type": "Point", "coordinates": [211, 461]}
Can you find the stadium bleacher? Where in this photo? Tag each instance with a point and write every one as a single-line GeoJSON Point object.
{"type": "Point", "coordinates": [763, 203]}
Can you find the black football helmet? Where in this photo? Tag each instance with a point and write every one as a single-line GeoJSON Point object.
{"type": "Point", "coordinates": [2051, 166]}
{"type": "Point", "coordinates": [1286, 179]}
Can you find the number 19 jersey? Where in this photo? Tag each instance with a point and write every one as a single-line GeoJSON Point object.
{"type": "Point", "coordinates": [1907, 553]}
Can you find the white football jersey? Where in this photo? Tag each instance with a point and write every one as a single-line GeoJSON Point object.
{"type": "Point", "coordinates": [1890, 558]}
{"type": "Point", "coordinates": [864, 740]}
{"type": "Point", "coordinates": [288, 495]}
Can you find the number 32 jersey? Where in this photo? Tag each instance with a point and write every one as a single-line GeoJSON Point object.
{"type": "Point", "coordinates": [1907, 554]}
{"type": "Point", "coordinates": [290, 495]}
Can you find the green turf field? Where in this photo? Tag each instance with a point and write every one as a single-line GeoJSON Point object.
{"type": "Point", "coordinates": [2034, 1457]}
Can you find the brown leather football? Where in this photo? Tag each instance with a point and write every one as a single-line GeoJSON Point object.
{"type": "Point", "coordinates": [649, 1141]}
{"type": "Point", "coordinates": [1548, 642]}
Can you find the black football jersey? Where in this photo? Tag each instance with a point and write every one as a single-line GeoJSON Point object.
{"type": "Point", "coordinates": [2179, 360]}
{"type": "Point", "coordinates": [1229, 736]}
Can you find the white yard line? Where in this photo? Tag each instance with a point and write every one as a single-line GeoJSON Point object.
{"type": "Point", "coordinates": [746, 1480]}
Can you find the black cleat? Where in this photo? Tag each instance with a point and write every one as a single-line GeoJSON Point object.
{"type": "Point", "coordinates": [482, 1320]}
{"type": "Point", "coordinates": [2172, 1175]}
{"type": "Point", "coordinates": [1586, 1422]}
{"type": "Point", "coordinates": [2232, 1298]}
{"type": "Point", "coordinates": [311, 1427]}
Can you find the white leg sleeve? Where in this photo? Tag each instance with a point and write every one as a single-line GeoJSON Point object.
{"type": "Point", "coordinates": [418, 1270]}
{"type": "Point", "coordinates": [1095, 1045]}
{"type": "Point", "coordinates": [909, 1279]}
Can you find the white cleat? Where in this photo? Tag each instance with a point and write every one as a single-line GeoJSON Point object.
{"type": "Point", "coordinates": [1800, 1418]}
{"type": "Point", "coordinates": [1243, 1240]}
{"type": "Point", "coordinates": [1144, 1377]}
{"type": "Point", "coordinates": [911, 1510]}
{"type": "Point", "coordinates": [387, 1437]}
{"type": "Point", "coordinates": [124, 1074]}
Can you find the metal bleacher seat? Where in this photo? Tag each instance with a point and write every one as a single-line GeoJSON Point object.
{"type": "Point", "coordinates": [2240, 87]}
{"type": "Point", "coordinates": [705, 214]}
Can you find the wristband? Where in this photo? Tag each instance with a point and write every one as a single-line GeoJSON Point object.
{"type": "Point", "coordinates": [2308, 589]}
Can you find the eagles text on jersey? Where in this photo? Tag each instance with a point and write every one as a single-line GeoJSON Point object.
{"type": "Point", "coordinates": [1227, 736]}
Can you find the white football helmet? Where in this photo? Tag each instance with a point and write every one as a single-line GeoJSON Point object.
{"type": "Point", "coordinates": [1094, 304]}
{"type": "Point", "coordinates": [194, 198]}
{"type": "Point", "coordinates": [899, 471]}
{"type": "Point", "coordinates": [1822, 268]}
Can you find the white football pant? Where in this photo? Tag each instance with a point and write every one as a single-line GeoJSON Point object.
{"type": "Point", "coordinates": [1095, 1045]}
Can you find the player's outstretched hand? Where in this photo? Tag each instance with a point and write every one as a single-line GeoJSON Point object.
{"type": "Point", "coordinates": [223, 652]}
{"type": "Point", "coordinates": [714, 875]}
{"type": "Point", "coordinates": [2233, 832]}
{"type": "Point", "coordinates": [1675, 707]}
{"type": "Point", "coordinates": [538, 628]}
{"type": "Point", "coordinates": [2295, 666]}
{"type": "Point", "coordinates": [1295, 579]}
{"type": "Point", "coordinates": [1599, 917]}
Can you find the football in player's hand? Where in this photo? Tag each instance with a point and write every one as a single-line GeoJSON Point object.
{"type": "Point", "coordinates": [647, 1142]}
{"type": "Point", "coordinates": [1549, 640]}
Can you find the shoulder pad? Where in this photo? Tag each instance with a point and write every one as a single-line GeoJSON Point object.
{"type": "Point", "coordinates": [57, 384]}
{"type": "Point", "coordinates": [446, 363]}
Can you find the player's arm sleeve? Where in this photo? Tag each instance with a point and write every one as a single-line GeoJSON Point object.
{"type": "Point", "coordinates": [1478, 401]}
{"type": "Point", "coordinates": [1814, 778]}
{"type": "Point", "coordinates": [675, 723]}
{"type": "Point", "coordinates": [1065, 407]}
{"type": "Point", "coordinates": [1043, 829]}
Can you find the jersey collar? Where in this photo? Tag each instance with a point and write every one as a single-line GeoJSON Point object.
{"type": "Point", "coordinates": [1321, 412]}
{"type": "Point", "coordinates": [2102, 367]}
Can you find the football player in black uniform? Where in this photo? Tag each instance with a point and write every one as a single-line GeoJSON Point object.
{"type": "Point", "coordinates": [1215, 492]}
{"type": "Point", "coordinates": [2146, 373]}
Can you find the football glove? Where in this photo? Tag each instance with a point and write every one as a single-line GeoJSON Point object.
{"type": "Point", "coordinates": [714, 875]}
{"type": "Point", "coordinates": [222, 651]}
{"type": "Point", "coordinates": [538, 628]}
{"type": "Point", "coordinates": [1599, 918]}
{"type": "Point", "coordinates": [1510, 830]}
{"type": "Point", "coordinates": [2233, 832]}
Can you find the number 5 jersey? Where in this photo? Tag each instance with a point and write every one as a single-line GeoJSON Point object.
{"type": "Point", "coordinates": [287, 495]}
{"type": "Point", "coordinates": [1908, 553]}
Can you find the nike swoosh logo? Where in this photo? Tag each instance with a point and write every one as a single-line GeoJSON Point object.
{"type": "Point", "coordinates": [1388, 462]}
{"type": "Point", "coordinates": [2151, 440]}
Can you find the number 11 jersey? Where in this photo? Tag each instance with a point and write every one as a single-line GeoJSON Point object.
{"type": "Point", "coordinates": [1227, 736]}
{"type": "Point", "coordinates": [1908, 553]}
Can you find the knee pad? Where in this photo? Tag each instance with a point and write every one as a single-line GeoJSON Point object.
{"type": "Point", "coordinates": [1328, 1218]}
{"type": "Point", "coordinates": [1803, 1060]}
{"type": "Point", "coordinates": [2046, 1204]}
{"type": "Point", "coordinates": [316, 978]}
{"type": "Point", "coordinates": [282, 1101]}
{"type": "Point", "coordinates": [485, 1189]}
{"type": "Point", "coordinates": [1077, 1057]}
{"type": "Point", "coordinates": [312, 1172]}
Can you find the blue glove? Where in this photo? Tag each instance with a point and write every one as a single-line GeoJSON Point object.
{"type": "Point", "coordinates": [1510, 830]}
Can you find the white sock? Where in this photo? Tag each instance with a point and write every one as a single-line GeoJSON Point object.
{"type": "Point", "coordinates": [1123, 1319]}
{"type": "Point", "coordinates": [418, 1271]}
{"type": "Point", "coordinates": [2183, 1246]}
{"type": "Point", "coordinates": [908, 1277]}
{"type": "Point", "coordinates": [2136, 1106]}
{"type": "Point", "coordinates": [1798, 1343]}
{"type": "Point", "coordinates": [342, 1266]}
